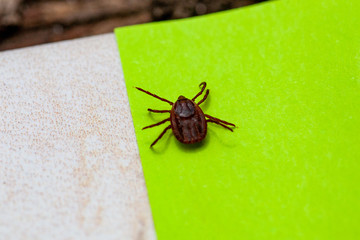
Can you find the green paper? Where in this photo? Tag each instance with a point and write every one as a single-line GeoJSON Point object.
{"type": "Point", "coordinates": [287, 74]}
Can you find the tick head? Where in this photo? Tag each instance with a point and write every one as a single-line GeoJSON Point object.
{"type": "Point", "coordinates": [181, 98]}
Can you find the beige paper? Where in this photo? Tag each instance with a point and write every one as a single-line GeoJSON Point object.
{"type": "Point", "coordinates": [69, 163]}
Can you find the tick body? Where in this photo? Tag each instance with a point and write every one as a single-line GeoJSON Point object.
{"type": "Point", "coordinates": [187, 120]}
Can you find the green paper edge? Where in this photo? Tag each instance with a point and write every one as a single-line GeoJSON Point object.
{"type": "Point", "coordinates": [287, 73]}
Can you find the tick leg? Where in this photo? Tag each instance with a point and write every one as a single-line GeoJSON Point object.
{"type": "Point", "coordinates": [158, 111]}
{"type": "Point", "coordinates": [155, 96]}
{"type": "Point", "coordinates": [157, 124]}
{"type": "Point", "coordinates": [219, 120]}
{"type": "Point", "coordinates": [203, 84]}
{"type": "Point", "coordinates": [209, 120]}
{"type": "Point", "coordinates": [204, 98]}
{"type": "Point", "coordinates": [160, 136]}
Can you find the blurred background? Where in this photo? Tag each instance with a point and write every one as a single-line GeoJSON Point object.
{"type": "Point", "coordinates": [30, 22]}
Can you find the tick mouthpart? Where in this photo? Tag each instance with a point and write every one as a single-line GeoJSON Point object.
{"type": "Point", "coordinates": [181, 98]}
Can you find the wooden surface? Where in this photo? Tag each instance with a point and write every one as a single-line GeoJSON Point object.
{"type": "Point", "coordinates": [69, 162]}
{"type": "Point", "coordinates": [31, 22]}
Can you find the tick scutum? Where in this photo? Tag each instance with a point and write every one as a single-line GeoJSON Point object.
{"type": "Point", "coordinates": [188, 121]}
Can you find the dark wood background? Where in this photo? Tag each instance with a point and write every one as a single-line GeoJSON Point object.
{"type": "Point", "coordinates": [31, 22]}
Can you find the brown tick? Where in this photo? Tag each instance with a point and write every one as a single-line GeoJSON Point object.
{"type": "Point", "coordinates": [187, 120]}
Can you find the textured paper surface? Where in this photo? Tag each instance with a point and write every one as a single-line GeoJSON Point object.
{"type": "Point", "coordinates": [69, 163]}
{"type": "Point", "coordinates": [287, 73]}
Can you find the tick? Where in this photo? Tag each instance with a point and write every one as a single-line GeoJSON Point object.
{"type": "Point", "coordinates": [187, 120]}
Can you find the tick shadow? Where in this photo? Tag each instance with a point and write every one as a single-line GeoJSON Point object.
{"type": "Point", "coordinates": [193, 147]}
{"type": "Point", "coordinates": [161, 147]}
{"type": "Point", "coordinates": [215, 137]}
{"type": "Point", "coordinates": [205, 105]}
{"type": "Point", "coordinates": [157, 117]}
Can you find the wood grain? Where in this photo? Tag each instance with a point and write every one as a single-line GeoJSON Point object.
{"type": "Point", "coordinates": [31, 22]}
{"type": "Point", "coordinates": [68, 12]}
